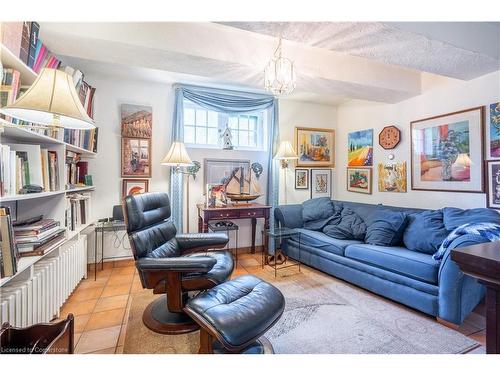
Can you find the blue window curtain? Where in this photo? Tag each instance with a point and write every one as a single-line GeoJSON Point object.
{"type": "Point", "coordinates": [226, 101]}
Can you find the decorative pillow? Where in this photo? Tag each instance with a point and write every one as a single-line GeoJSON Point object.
{"type": "Point", "coordinates": [386, 228]}
{"type": "Point", "coordinates": [318, 212]}
{"type": "Point", "coordinates": [425, 231]}
{"type": "Point", "coordinates": [455, 217]}
{"type": "Point", "coordinates": [350, 227]}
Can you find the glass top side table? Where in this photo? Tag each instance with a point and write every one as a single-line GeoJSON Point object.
{"type": "Point", "coordinates": [280, 257]}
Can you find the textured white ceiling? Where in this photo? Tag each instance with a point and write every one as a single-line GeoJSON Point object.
{"type": "Point", "coordinates": [426, 48]}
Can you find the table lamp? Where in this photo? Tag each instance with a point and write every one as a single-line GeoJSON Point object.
{"type": "Point", "coordinates": [284, 154]}
{"type": "Point", "coordinates": [52, 101]}
{"type": "Point", "coordinates": [177, 157]}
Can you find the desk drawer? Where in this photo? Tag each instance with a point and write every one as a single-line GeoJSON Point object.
{"type": "Point", "coordinates": [221, 215]}
{"type": "Point", "coordinates": [251, 213]}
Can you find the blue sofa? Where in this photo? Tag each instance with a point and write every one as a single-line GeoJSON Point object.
{"type": "Point", "coordinates": [413, 278]}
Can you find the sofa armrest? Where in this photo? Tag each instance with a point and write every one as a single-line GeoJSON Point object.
{"type": "Point", "coordinates": [289, 215]}
{"type": "Point", "coordinates": [459, 294]}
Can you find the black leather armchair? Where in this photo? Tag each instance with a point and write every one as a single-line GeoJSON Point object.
{"type": "Point", "coordinates": [172, 264]}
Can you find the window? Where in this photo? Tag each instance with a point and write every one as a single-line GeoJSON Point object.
{"type": "Point", "coordinates": [203, 127]}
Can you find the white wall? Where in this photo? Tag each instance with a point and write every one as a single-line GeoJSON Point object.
{"type": "Point", "coordinates": [292, 114]}
{"type": "Point", "coordinates": [444, 98]}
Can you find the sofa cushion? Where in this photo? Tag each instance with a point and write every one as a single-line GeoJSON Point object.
{"type": "Point", "coordinates": [318, 212]}
{"type": "Point", "coordinates": [385, 228]}
{"type": "Point", "coordinates": [454, 217]}
{"type": "Point", "coordinates": [322, 241]}
{"type": "Point", "coordinates": [425, 231]}
{"type": "Point", "coordinates": [418, 266]}
{"type": "Point", "coordinates": [350, 227]}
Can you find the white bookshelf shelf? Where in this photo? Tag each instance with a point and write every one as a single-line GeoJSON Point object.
{"type": "Point", "coordinates": [9, 60]}
{"type": "Point", "coordinates": [80, 188]}
{"type": "Point", "coordinates": [45, 194]}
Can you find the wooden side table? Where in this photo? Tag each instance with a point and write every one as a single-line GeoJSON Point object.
{"type": "Point", "coordinates": [482, 261]}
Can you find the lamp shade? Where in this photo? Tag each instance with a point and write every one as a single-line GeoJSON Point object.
{"type": "Point", "coordinates": [285, 151]}
{"type": "Point", "coordinates": [177, 156]}
{"type": "Point", "coordinates": [51, 100]}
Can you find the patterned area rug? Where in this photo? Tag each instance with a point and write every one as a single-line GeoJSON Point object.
{"type": "Point", "coordinates": [322, 315]}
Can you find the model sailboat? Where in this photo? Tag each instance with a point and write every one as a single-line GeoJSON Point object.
{"type": "Point", "coordinates": [240, 187]}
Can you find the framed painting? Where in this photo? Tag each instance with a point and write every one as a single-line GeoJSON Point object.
{"type": "Point", "coordinates": [359, 180]}
{"type": "Point", "coordinates": [321, 183]}
{"type": "Point", "coordinates": [392, 177]}
{"type": "Point", "coordinates": [136, 121]}
{"type": "Point", "coordinates": [134, 186]}
{"type": "Point", "coordinates": [219, 171]}
{"type": "Point", "coordinates": [302, 179]}
{"type": "Point", "coordinates": [136, 157]}
{"type": "Point", "coordinates": [447, 152]}
{"type": "Point", "coordinates": [360, 148]}
{"type": "Point", "coordinates": [493, 132]}
{"type": "Point", "coordinates": [315, 147]}
{"type": "Point", "coordinates": [493, 184]}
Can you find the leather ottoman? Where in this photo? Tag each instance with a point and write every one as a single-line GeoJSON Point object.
{"type": "Point", "coordinates": [234, 315]}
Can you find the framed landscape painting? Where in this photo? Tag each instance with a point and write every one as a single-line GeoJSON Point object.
{"type": "Point", "coordinates": [302, 179]}
{"type": "Point", "coordinates": [392, 177]}
{"type": "Point", "coordinates": [321, 183]}
{"type": "Point", "coordinates": [493, 132]}
{"type": "Point", "coordinates": [447, 152]}
{"type": "Point", "coordinates": [359, 180]}
{"type": "Point", "coordinates": [136, 121]}
{"type": "Point", "coordinates": [360, 148]}
{"type": "Point", "coordinates": [315, 147]}
{"type": "Point", "coordinates": [136, 157]}
{"type": "Point", "coordinates": [134, 186]}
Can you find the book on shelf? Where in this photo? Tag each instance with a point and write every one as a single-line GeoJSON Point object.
{"type": "Point", "coordinates": [12, 33]}
{"type": "Point", "coordinates": [77, 210]}
{"type": "Point", "coordinates": [8, 246]}
{"type": "Point", "coordinates": [76, 170]}
{"type": "Point", "coordinates": [9, 89]}
{"type": "Point", "coordinates": [34, 31]}
{"type": "Point", "coordinates": [33, 238]}
{"type": "Point", "coordinates": [86, 139]}
{"type": "Point", "coordinates": [25, 42]}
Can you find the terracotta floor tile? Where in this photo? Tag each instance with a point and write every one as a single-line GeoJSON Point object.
{"type": "Point", "coordinates": [249, 261]}
{"type": "Point", "coordinates": [120, 279]}
{"type": "Point", "coordinates": [124, 263]}
{"type": "Point", "coordinates": [116, 290]}
{"type": "Point", "coordinates": [105, 351]}
{"type": "Point", "coordinates": [91, 283]}
{"type": "Point", "coordinates": [123, 270]}
{"type": "Point", "coordinates": [99, 339]}
{"type": "Point", "coordinates": [78, 307]}
{"type": "Point", "coordinates": [76, 338]}
{"type": "Point", "coordinates": [136, 287]}
{"type": "Point", "coordinates": [119, 350]}
{"type": "Point", "coordinates": [86, 294]}
{"type": "Point", "coordinates": [105, 319]}
{"type": "Point", "coordinates": [80, 322]}
{"type": "Point", "coordinates": [480, 337]}
{"type": "Point", "coordinates": [121, 338]}
{"type": "Point", "coordinates": [110, 303]}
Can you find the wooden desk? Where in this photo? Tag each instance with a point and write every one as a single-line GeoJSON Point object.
{"type": "Point", "coordinates": [252, 211]}
{"type": "Point", "coordinates": [482, 261]}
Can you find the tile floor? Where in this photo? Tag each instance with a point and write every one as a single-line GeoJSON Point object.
{"type": "Point", "coordinates": [101, 306]}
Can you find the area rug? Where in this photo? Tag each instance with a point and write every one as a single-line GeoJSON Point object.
{"type": "Point", "coordinates": [322, 315]}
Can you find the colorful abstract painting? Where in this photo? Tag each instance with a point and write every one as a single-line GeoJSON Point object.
{"type": "Point", "coordinates": [494, 132]}
{"type": "Point", "coordinates": [392, 177]}
{"type": "Point", "coordinates": [315, 147]}
{"type": "Point", "coordinates": [360, 148]}
{"type": "Point", "coordinates": [132, 187]}
{"type": "Point", "coordinates": [359, 180]}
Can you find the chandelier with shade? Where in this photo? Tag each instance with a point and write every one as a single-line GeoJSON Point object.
{"type": "Point", "coordinates": [279, 74]}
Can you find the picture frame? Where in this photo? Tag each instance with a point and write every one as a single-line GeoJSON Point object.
{"type": "Point", "coordinates": [136, 121]}
{"type": "Point", "coordinates": [447, 152]}
{"type": "Point", "coordinates": [359, 180]}
{"type": "Point", "coordinates": [315, 147]}
{"type": "Point", "coordinates": [301, 179]}
{"type": "Point", "coordinates": [392, 177]}
{"type": "Point", "coordinates": [136, 157]}
{"type": "Point", "coordinates": [493, 184]}
{"type": "Point", "coordinates": [216, 171]}
{"type": "Point", "coordinates": [321, 183]}
{"type": "Point", "coordinates": [360, 148]}
{"type": "Point", "coordinates": [132, 186]}
{"type": "Point", "coordinates": [492, 133]}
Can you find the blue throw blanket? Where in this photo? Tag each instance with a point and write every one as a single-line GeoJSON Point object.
{"type": "Point", "coordinates": [489, 231]}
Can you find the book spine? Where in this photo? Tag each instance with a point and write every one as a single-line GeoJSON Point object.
{"type": "Point", "coordinates": [34, 31]}
{"type": "Point", "coordinates": [25, 42]}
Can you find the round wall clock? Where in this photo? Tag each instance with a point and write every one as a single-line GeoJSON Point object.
{"type": "Point", "coordinates": [389, 137]}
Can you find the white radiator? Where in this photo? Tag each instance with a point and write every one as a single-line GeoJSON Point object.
{"type": "Point", "coordinates": [38, 298]}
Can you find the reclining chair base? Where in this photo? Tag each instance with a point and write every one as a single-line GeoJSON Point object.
{"type": "Point", "coordinates": [159, 319]}
{"type": "Point", "coordinates": [210, 345]}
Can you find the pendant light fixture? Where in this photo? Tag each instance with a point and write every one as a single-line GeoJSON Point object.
{"type": "Point", "coordinates": [279, 74]}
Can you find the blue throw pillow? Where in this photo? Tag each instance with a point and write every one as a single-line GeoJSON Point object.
{"type": "Point", "coordinates": [318, 212]}
{"type": "Point", "coordinates": [425, 231]}
{"type": "Point", "coordinates": [350, 227]}
{"type": "Point", "coordinates": [454, 217]}
{"type": "Point", "coordinates": [386, 228]}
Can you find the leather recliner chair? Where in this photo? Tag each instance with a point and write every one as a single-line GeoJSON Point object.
{"type": "Point", "coordinates": [170, 263]}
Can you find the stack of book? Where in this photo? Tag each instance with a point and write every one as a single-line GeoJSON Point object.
{"type": "Point", "coordinates": [86, 139]}
{"type": "Point", "coordinates": [25, 164]}
{"type": "Point", "coordinates": [9, 89]}
{"type": "Point", "coordinates": [77, 210]}
{"type": "Point", "coordinates": [9, 253]}
{"type": "Point", "coordinates": [76, 170]}
{"type": "Point", "coordinates": [36, 236]}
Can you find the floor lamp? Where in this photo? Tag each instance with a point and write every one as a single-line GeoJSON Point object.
{"type": "Point", "coordinates": [284, 155]}
{"type": "Point", "coordinates": [177, 157]}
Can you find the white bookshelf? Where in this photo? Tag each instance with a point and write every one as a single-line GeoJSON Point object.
{"type": "Point", "coordinates": [50, 204]}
